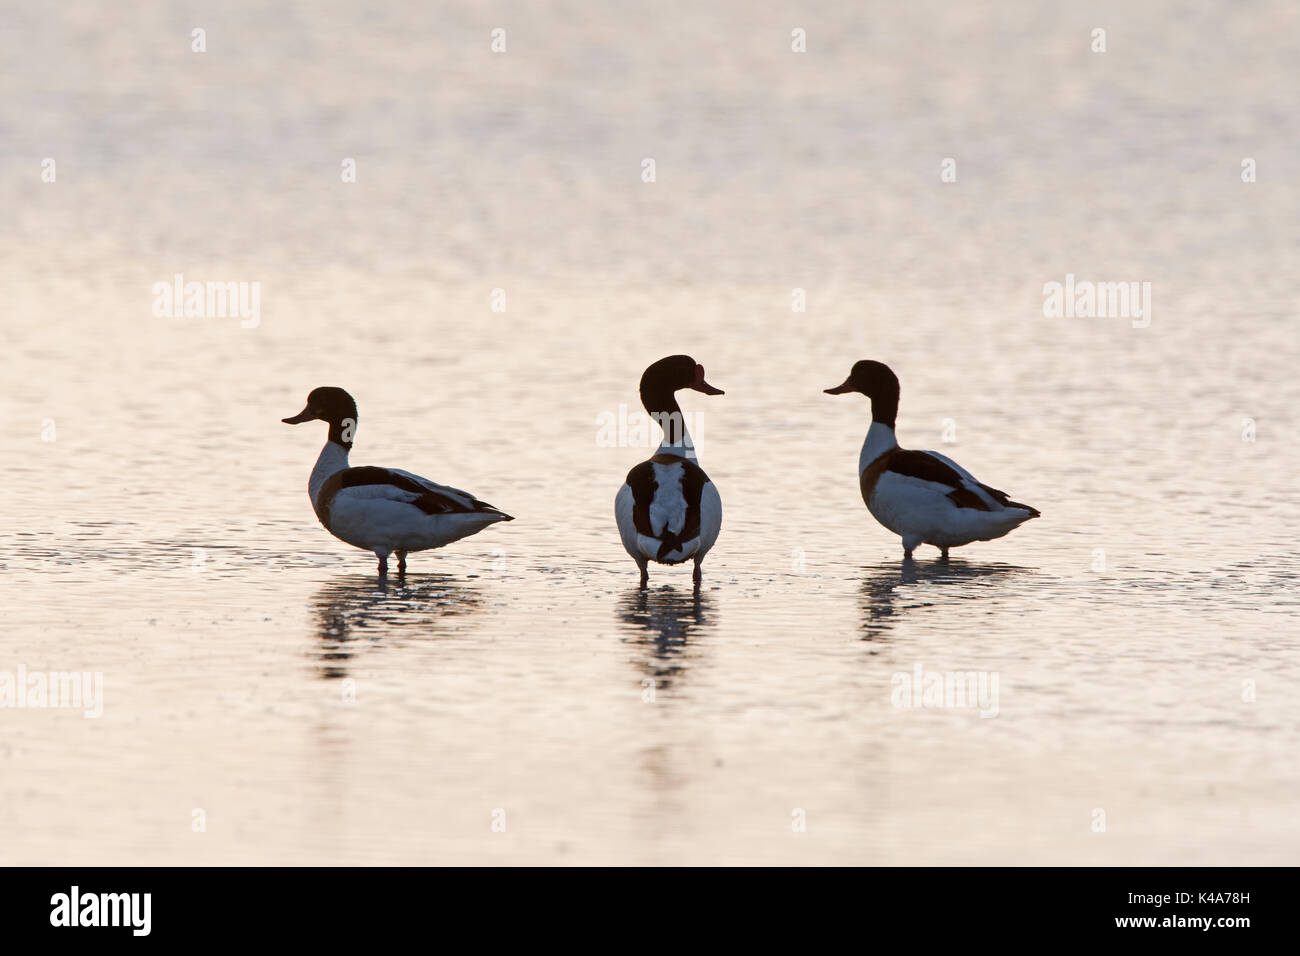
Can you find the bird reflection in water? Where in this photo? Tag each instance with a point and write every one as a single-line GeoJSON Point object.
{"type": "Point", "coordinates": [890, 590]}
{"type": "Point", "coordinates": [357, 611]}
{"type": "Point", "coordinates": [662, 622]}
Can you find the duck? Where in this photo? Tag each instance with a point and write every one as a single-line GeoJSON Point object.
{"type": "Point", "coordinates": [382, 510]}
{"type": "Point", "coordinates": [923, 496]}
{"type": "Point", "coordinates": [668, 511]}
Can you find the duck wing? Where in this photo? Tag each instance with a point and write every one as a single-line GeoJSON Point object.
{"type": "Point", "coordinates": [963, 489]}
{"type": "Point", "coordinates": [370, 482]}
{"type": "Point", "coordinates": [462, 500]}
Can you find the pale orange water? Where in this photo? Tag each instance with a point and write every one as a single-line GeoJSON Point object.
{"type": "Point", "coordinates": [1143, 630]}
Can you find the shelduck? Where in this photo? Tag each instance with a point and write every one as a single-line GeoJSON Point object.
{"type": "Point", "coordinates": [922, 495]}
{"type": "Point", "coordinates": [384, 510]}
{"type": "Point", "coordinates": [668, 511]}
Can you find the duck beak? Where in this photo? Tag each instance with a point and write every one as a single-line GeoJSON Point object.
{"type": "Point", "coordinates": [839, 389]}
{"type": "Point", "coordinates": [303, 416]}
{"type": "Point", "coordinates": [702, 386]}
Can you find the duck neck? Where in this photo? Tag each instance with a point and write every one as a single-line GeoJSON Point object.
{"type": "Point", "coordinates": [333, 458]}
{"type": "Point", "coordinates": [664, 411]}
{"type": "Point", "coordinates": [884, 409]}
{"type": "Point", "coordinates": [880, 439]}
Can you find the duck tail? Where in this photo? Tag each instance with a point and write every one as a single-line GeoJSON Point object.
{"type": "Point", "coordinates": [668, 543]}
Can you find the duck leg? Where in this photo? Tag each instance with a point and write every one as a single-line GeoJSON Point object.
{"type": "Point", "coordinates": [943, 553]}
{"type": "Point", "coordinates": [697, 576]}
{"type": "Point", "coordinates": [383, 566]}
{"type": "Point", "coordinates": [910, 541]}
{"type": "Point", "coordinates": [645, 573]}
{"type": "Point", "coordinates": [401, 562]}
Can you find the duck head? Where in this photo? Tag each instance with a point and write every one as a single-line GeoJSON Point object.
{"type": "Point", "coordinates": [333, 405]}
{"type": "Point", "coordinates": [876, 381]}
{"type": "Point", "coordinates": [669, 375]}
{"type": "Point", "coordinates": [659, 384]}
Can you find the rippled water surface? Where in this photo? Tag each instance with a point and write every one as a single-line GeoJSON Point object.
{"type": "Point", "coordinates": [258, 678]}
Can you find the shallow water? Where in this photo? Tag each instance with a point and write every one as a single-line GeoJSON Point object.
{"type": "Point", "coordinates": [1142, 632]}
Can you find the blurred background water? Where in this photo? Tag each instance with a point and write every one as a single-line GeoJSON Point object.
{"type": "Point", "coordinates": [158, 530]}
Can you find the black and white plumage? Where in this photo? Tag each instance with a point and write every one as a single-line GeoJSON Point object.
{"type": "Point", "coordinates": [923, 496]}
{"type": "Point", "coordinates": [384, 510]}
{"type": "Point", "coordinates": [668, 511]}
